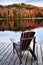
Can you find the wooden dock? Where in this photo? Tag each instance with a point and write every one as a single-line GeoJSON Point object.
{"type": "Point", "coordinates": [7, 57]}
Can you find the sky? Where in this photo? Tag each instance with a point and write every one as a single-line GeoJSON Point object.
{"type": "Point", "coordinates": [33, 2]}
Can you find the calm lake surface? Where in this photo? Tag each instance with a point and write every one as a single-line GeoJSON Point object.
{"type": "Point", "coordinates": [6, 35]}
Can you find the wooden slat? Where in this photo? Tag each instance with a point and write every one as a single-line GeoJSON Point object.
{"type": "Point", "coordinates": [8, 60]}
{"type": "Point", "coordinates": [5, 52]}
{"type": "Point", "coordinates": [2, 45]}
{"type": "Point", "coordinates": [5, 47]}
{"type": "Point", "coordinates": [23, 60]}
{"type": "Point", "coordinates": [17, 61]}
{"type": "Point", "coordinates": [7, 57]}
{"type": "Point", "coordinates": [28, 61]}
{"type": "Point", "coordinates": [42, 51]}
{"type": "Point", "coordinates": [33, 61]}
{"type": "Point", "coordinates": [13, 60]}
{"type": "Point", "coordinates": [39, 56]}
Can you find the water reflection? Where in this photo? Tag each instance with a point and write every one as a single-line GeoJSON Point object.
{"type": "Point", "coordinates": [20, 24]}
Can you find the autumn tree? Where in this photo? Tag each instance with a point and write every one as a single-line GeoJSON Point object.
{"type": "Point", "coordinates": [19, 15]}
{"type": "Point", "coordinates": [39, 14]}
{"type": "Point", "coordinates": [4, 16]}
{"type": "Point", "coordinates": [30, 16]}
{"type": "Point", "coordinates": [14, 14]}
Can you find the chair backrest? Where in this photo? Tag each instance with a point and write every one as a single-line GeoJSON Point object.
{"type": "Point", "coordinates": [25, 43]}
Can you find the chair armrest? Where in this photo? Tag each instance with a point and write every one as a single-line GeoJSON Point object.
{"type": "Point", "coordinates": [14, 41]}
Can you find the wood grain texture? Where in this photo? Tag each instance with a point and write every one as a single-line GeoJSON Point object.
{"type": "Point", "coordinates": [7, 56]}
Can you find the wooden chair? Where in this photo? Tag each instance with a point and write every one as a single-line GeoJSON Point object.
{"type": "Point", "coordinates": [24, 44]}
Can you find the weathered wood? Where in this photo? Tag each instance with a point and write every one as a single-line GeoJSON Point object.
{"type": "Point", "coordinates": [4, 58]}
{"type": "Point", "coordinates": [7, 57]}
{"type": "Point", "coordinates": [39, 56]}
{"type": "Point", "coordinates": [33, 62]}
{"type": "Point", "coordinates": [5, 47]}
{"type": "Point", "coordinates": [8, 60]}
{"type": "Point", "coordinates": [5, 52]}
{"type": "Point", "coordinates": [2, 45]}
{"type": "Point", "coordinates": [13, 60]}
{"type": "Point", "coordinates": [28, 60]}
{"type": "Point", "coordinates": [24, 59]}
{"type": "Point", "coordinates": [42, 51]}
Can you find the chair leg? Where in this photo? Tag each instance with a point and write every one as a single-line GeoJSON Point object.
{"type": "Point", "coordinates": [33, 54]}
{"type": "Point", "coordinates": [20, 56]}
{"type": "Point", "coordinates": [13, 50]}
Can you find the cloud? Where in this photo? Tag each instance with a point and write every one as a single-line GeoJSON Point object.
{"type": "Point", "coordinates": [33, 2]}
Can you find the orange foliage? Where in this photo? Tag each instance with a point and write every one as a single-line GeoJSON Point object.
{"type": "Point", "coordinates": [11, 24]}
{"type": "Point", "coordinates": [2, 12]}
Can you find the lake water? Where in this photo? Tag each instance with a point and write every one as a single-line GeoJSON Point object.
{"type": "Point", "coordinates": [6, 35]}
{"type": "Point", "coordinates": [20, 24]}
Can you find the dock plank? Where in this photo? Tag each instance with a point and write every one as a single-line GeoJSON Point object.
{"type": "Point", "coordinates": [42, 51]}
{"type": "Point", "coordinates": [39, 56]}
{"type": "Point", "coordinates": [7, 57]}
{"type": "Point", "coordinates": [4, 48]}
{"type": "Point", "coordinates": [13, 60]}
{"type": "Point", "coordinates": [2, 45]}
{"type": "Point", "coordinates": [33, 61]}
{"type": "Point", "coordinates": [28, 61]}
{"type": "Point", "coordinates": [5, 52]}
{"type": "Point", "coordinates": [8, 60]}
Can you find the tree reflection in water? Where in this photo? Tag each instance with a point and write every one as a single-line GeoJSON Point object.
{"type": "Point", "coordinates": [20, 24]}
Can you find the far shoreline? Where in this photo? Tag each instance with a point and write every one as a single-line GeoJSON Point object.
{"type": "Point", "coordinates": [21, 18]}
